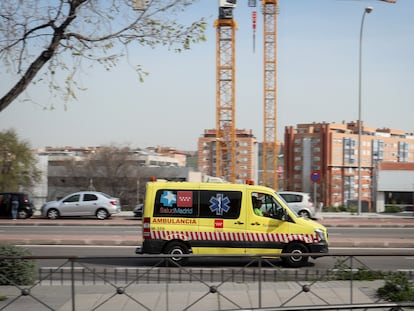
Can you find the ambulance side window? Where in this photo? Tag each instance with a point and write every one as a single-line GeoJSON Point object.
{"type": "Point", "coordinates": [272, 208]}
{"type": "Point", "coordinates": [220, 204]}
{"type": "Point", "coordinates": [176, 203]}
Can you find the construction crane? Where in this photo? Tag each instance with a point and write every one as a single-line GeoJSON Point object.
{"type": "Point", "coordinates": [225, 92]}
{"type": "Point", "coordinates": [270, 11]}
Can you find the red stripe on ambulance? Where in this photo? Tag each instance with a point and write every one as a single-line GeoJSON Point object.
{"type": "Point", "coordinates": [233, 236]}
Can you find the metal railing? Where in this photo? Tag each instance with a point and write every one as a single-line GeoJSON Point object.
{"type": "Point", "coordinates": [248, 283]}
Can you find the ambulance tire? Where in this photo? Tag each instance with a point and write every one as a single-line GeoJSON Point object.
{"type": "Point", "coordinates": [295, 261]}
{"type": "Point", "coordinates": [177, 248]}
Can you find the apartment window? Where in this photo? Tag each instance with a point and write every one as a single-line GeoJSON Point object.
{"type": "Point", "coordinates": [349, 185]}
{"type": "Point", "coordinates": [402, 152]}
{"type": "Point", "coordinates": [350, 170]}
{"type": "Point", "coordinates": [377, 150]}
{"type": "Point", "coordinates": [349, 150]}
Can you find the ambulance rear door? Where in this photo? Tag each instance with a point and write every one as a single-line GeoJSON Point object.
{"type": "Point", "coordinates": [222, 222]}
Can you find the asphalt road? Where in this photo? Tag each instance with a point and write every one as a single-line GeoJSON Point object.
{"type": "Point", "coordinates": [374, 232]}
{"type": "Point", "coordinates": [135, 231]}
{"type": "Point", "coordinates": [388, 259]}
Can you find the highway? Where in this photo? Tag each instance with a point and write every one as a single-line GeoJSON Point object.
{"type": "Point", "coordinates": [370, 257]}
{"type": "Point", "coordinates": [112, 256]}
{"type": "Point", "coordinates": [405, 233]}
{"type": "Point", "coordinates": [55, 243]}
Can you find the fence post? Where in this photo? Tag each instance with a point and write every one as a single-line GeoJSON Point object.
{"type": "Point", "coordinates": [260, 282]}
{"type": "Point", "coordinates": [72, 267]}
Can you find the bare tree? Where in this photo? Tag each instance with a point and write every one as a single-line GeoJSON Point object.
{"type": "Point", "coordinates": [110, 169]}
{"type": "Point", "coordinates": [39, 40]}
{"type": "Point", "coordinates": [113, 170]}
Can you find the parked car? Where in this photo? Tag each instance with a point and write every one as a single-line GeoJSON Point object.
{"type": "Point", "coordinates": [84, 203]}
{"type": "Point", "coordinates": [26, 207]}
{"type": "Point", "coordinates": [138, 210]}
{"type": "Point", "coordinates": [300, 202]}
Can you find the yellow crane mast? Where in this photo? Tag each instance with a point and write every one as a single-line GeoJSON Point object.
{"type": "Point", "coordinates": [225, 92]}
{"type": "Point", "coordinates": [270, 152]}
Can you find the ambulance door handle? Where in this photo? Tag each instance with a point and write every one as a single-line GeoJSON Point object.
{"type": "Point", "coordinates": [239, 223]}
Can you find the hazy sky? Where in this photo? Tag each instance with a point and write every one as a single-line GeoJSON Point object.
{"type": "Point", "coordinates": [318, 46]}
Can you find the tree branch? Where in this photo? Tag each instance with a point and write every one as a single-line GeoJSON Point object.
{"type": "Point", "coordinates": [43, 58]}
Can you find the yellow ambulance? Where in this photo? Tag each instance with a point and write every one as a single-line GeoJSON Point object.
{"type": "Point", "coordinates": [221, 218]}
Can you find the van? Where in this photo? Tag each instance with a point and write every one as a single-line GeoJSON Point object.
{"type": "Point", "coordinates": [219, 218]}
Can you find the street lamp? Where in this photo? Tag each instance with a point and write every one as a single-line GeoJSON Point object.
{"type": "Point", "coordinates": [367, 10]}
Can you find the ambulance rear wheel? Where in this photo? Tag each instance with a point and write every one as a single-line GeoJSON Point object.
{"type": "Point", "coordinates": [177, 249]}
{"type": "Point", "coordinates": [296, 260]}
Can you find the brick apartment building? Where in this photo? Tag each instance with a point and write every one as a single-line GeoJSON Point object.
{"type": "Point", "coordinates": [331, 150]}
{"type": "Point", "coordinates": [246, 154]}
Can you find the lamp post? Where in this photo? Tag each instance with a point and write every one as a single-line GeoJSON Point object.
{"type": "Point", "coordinates": [367, 10]}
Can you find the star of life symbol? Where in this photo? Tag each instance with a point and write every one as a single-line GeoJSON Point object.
{"type": "Point", "coordinates": [219, 204]}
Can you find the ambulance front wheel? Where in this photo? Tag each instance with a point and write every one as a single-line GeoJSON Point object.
{"type": "Point", "coordinates": [177, 249]}
{"type": "Point", "coordinates": [296, 260]}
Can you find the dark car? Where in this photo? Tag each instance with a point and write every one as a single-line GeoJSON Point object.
{"type": "Point", "coordinates": [26, 207]}
{"type": "Point", "coordinates": [138, 210]}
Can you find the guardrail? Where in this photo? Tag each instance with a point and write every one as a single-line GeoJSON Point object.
{"type": "Point", "coordinates": [254, 283]}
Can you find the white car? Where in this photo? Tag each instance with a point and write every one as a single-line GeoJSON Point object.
{"type": "Point", "coordinates": [300, 202]}
{"type": "Point", "coordinates": [84, 203]}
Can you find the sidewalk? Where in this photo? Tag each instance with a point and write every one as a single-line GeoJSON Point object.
{"type": "Point", "coordinates": [194, 296]}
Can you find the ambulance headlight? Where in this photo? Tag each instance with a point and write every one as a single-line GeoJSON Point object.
{"type": "Point", "coordinates": [321, 234]}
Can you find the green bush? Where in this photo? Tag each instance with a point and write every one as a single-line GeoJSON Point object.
{"type": "Point", "coordinates": [335, 209]}
{"type": "Point", "coordinates": [393, 209]}
{"type": "Point", "coordinates": [16, 271]}
{"type": "Point", "coordinates": [353, 209]}
{"type": "Point", "coordinates": [343, 271]}
{"type": "Point", "coordinates": [397, 288]}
